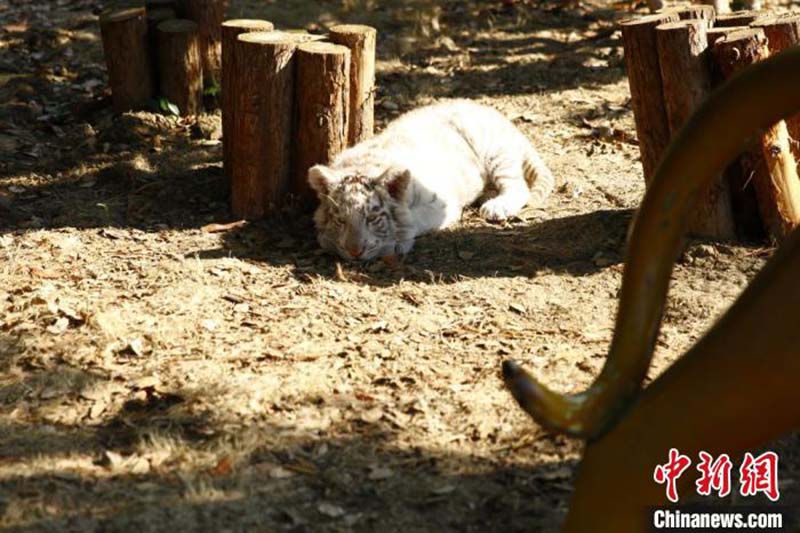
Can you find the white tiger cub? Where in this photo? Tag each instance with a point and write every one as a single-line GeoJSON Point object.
{"type": "Point", "coordinates": [419, 174]}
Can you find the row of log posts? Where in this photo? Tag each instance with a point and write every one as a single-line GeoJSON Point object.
{"type": "Point", "coordinates": [674, 60]}
{"type": "Point", "coordinates": [292, 102]}
{"type": "Point", "coordinates": [148, 53]}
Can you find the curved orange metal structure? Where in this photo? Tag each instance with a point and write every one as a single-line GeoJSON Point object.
{"type": "Point", "coordinates": [736, 389]}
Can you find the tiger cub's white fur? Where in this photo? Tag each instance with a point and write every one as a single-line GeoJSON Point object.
{"type": "Point", "coordinates": [419, 174]}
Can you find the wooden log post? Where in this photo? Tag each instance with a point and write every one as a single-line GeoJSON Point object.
{"type": "Point", "coordinates": [715, 34]}
{"type": "Point", "coordinates": [361, 40]}
{"type": "Point", "coordinates": [156, 16]}
{"type": "Point", "coordinates": [782, 32]}
{"type": "Point", "coordinates": [322, 93]}
{"type": "Point", "coordinates": [770, 163]}
{"type": "Point", "coordinates": [261, 133]}
{"type": "Point", "coordinates": [644, 78]}
{"type": "Point", "coordinates": [208, 14]}
{"type": "Point", "coordinates": [695, 12]}
{"type": "Point", "coordinates": [231, 29]}
{"type": "Point", "coordinates": [127, 54]}
{"type": "Point", "coordinates": [180, 70]}
{"type": "Point", "coordinates": [737, 18]}
{"type": "Point", "coordinates": [686, 80]}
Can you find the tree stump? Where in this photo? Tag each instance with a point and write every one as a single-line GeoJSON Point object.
{"type": "Point", "coordinates": [737, 18]}
{"type": "Point", "coordinates": [180, 70]}
{"type": "Point", "coordinates": [686, 81]}
{"type": "Point", "coordinates": [261, 134]}
{"type": "Point", "coordinates": [715, 34]}
{"type": "Point", "coordinates": [782, 32]}
{"type": "Point", "coordinates": [322, 93]}
{"type": "Point", "coordinates": [208, 14]}
{"type": "Point", "coordinates": [127, 54]}
{"type": "Point", "coordinates": [696, 12]}
{"type": "Point", "coordinates": [361, 40]}
{"type": "Point", "coordinates": [155, 17]}
{"type": "Point", "coordinates": [644, 77]}
{"type": "Point", "coordinates": [771, 164]}
{"type": "Point", "coordinates": [231, 29]}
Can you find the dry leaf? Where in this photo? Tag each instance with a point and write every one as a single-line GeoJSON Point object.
{"type": "Point", "coordinates": [222, 468]}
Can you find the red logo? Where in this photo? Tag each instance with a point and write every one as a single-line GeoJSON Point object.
{"type": "Point", "coordinates": [714, 475]}
{"type": "Point", "coordinates": [670, 472]}
{"type": "Point", "coordinates": [760, 474]}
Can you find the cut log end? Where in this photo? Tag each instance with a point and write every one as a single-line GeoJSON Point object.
{"type": "Point", "coordinates": [737, 18]}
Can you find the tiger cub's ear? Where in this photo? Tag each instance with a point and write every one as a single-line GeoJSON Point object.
{"type": "Point", "coordinates": [322, 179]}
{"type": "Point", "coordinates": [397, 181]}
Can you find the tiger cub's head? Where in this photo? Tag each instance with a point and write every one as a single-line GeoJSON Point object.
{"type": "Point", "coordinates": [361, 217]}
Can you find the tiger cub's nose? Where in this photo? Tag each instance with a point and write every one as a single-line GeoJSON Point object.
{"type": "Point", "coordinates": [355, 251]}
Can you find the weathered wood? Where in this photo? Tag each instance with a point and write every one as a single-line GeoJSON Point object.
{"type": "Point", "coordinates": [208, 14]}
{"type": "Point", "coordinates": [644, 78]}
{"type": "Point", "coordinates": [770, 163]}
{"type": "Point", "coordinates": [695, 12]}
{"type": "Point", "coordinates": [231, 29]}
{"type": "Point", "coordinates": [322, 94]}
{"type": "Point", "coordinates": [715, 34]}
{"type": "Point", "coordinates": [179, 67]}
{"type": "Point", "coordinates": [686, 81]}
{"type": "Point", "coordinates": [737, 18]}
{"type": "Point", "coordinates": [126, 49]}
{"type": "Point", "coordinates": [782, 32]}
{"type": "Point", "coordinates": [261, 133]}
{"type": "Point", "coordinates": [361, 40]}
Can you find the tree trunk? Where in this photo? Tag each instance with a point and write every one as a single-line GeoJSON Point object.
{"type": "Point", "coordinates": [180, 70]}
{"type": "Point", "coordinates": [361, 41]}
{"type": "Point", "coordinates": [770, 163]}
{"type": "Point", "coordinates": [322, 93]}
{"type": "Point", "coordinates": [260, 144]}
{"type": "Point", "coordinates": [686, 77]}
{"type": "Point", "coordinates": [737, 18]}
{"type": "Point", "coordinates": [783, 31]}
{"type": "Point", "coordinates": [644, 77]}
{"type": "Point", "coordinates": [124, 33]}
{"type": "Point", "coordinates": [208, 14]}
{"type": "Point", "coordinates": [231, 29]}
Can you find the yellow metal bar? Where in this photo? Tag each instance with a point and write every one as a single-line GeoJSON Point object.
{"type": "Point", "coordinates": [750, 101]}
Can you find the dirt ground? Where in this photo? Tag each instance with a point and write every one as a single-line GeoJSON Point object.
{"type": "Point", "coordinates": [156, 376]}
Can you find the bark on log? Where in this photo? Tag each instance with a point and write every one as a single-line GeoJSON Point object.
{"type": "Point", "coordinates": [770, 163]}
{"type": "Point", "coordinates": [180, 70]}
{"type": "Point", "coordinates": [644, 77]}
{"type": "Point", "coordinates": [127, 53]}
{"type": "Point", "coordinates": [715, 34]}
{"type": "Point", "coordinates": [231, 29]}
{"type": "Point", "coordinates": [208, 14]}
{"type": "Point", "coordinates": [361, 41]}
{"type": "Point", "coordinates": [322, 93]}
{"type": "Point", "coordinates": [782, 32]}
{"type": "Point", "coordinates": [737, 18]}
{"type": "Point", "coordinates": [686, 78]}
{"type": "Point", "coordinates": [260, 144]}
